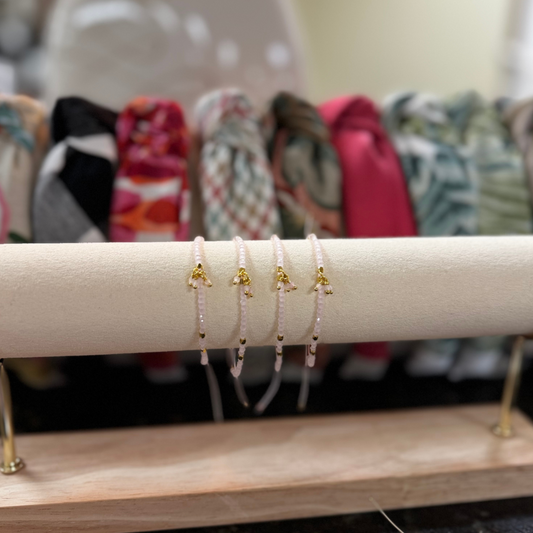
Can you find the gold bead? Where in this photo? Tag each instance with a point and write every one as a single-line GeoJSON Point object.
{"type": "Point", "coordinates": [240, 357]}
{"type": "Point", "coordinates": [202, 335]}
{"type": "Point", "coordinates": [279, 354]}
{"type": "Point", "coordinates": [280, 337]}
{"type": "Point", "coordinates": [312, 352]}
{"type": "Point", "coordinates": [204, 351]}
{"type": "Point", "coordinates": [242, 341]}
{"type": "Point", "coordinates": [315, 337]}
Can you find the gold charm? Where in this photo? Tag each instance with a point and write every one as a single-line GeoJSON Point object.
{"type": "Point", "coordinates": [198, 273]}
{"type": "Point", "coordinates": [322, 280]}
{"type": "Point", "coordinates": [284, 281]}
{"type": "Point", "coordinates": [242, 278]}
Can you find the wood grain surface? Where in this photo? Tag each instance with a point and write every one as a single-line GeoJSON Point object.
{"type": "Point", "coordinates": [198, 475]}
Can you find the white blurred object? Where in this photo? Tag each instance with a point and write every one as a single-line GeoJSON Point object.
{"type": "Point", "coordinates": [7, 77]}
{"type": "Point", "coordinates": [519, 52]}
{"type": "Point", "coordinates": [357, 366]}
{"type": "Point", "coordinates": [428, 361]}
{"type": "Point", "coordinates": [476, 364]}
{"type": "Point", "coordinates": [110, 51]}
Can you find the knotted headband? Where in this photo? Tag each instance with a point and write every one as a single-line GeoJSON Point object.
{"type": "Point", "coordinates": [151, 190]}
{"type": "Point", "coordinates": [375, 197]}
{"type": "Point", "coordinates": [73, 192]}
{"type": "Point", "coordinates": [305, 167]}
{"type": "Point", "coordinates": [440, 172]}
{"type": "Point", "coordinates": [234, 174]}
{"type": "Point", "coordinates": [504, 195]}
{"type": "Point", "coordinates": [374, 193]}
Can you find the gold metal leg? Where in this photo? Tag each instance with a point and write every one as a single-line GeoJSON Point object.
{"type": "Point", "coordinates": [11, 462]}
{"type": "Point", "coordinates": [512, 382]}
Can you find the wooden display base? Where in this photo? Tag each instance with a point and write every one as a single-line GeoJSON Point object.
{"type": "Point", "coordinates": [186, 476]}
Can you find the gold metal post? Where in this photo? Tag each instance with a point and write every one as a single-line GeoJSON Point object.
{"type": "Point", "coordinates": [510, 390]}
{"type": "Point", "coordinates": [11, 463]}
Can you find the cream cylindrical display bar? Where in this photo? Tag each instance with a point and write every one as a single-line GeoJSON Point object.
{"type": "Point", "coordinates": [81, 299]}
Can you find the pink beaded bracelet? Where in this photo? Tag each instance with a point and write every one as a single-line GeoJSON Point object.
{"type": "Point", "coordinates": [242, 279]}
{"type": "Point", "coordinates": [284, 284]}
{"type": "Point", "coordinates": [199, 281]}
{"type": "Point", "coordinates": [323, 287]}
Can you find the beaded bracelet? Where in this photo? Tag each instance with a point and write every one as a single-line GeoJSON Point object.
{"type": "Point", "coordinates": [199, 281]}
{"type": "Point", "coordinates": [322, 287]}
{"type": "Point", "coordinates": [242, 279]}
{"type": "Point", "coordinates": [284, 284]}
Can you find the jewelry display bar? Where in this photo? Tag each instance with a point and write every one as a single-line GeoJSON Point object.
{"type": "Point", "coordinates": [92, 299]}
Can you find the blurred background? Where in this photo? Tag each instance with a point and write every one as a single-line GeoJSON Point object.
{"type": "Point", "coordinates": [323, 49]}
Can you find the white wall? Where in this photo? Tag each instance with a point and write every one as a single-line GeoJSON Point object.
{"type": "Point", "coordinates": [378, 46]}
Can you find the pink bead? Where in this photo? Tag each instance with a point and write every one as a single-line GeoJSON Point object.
{"type": "Point", "coordinates": [279, 250]}
{"type": "Point", "coordinates": [197, 253]}
{"type": "Point", "coordinates": [242, 252]}
{"type": "Point", "coordinates": [318, 250]}
{"type": "Point", "coordinates": [236, 370]}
